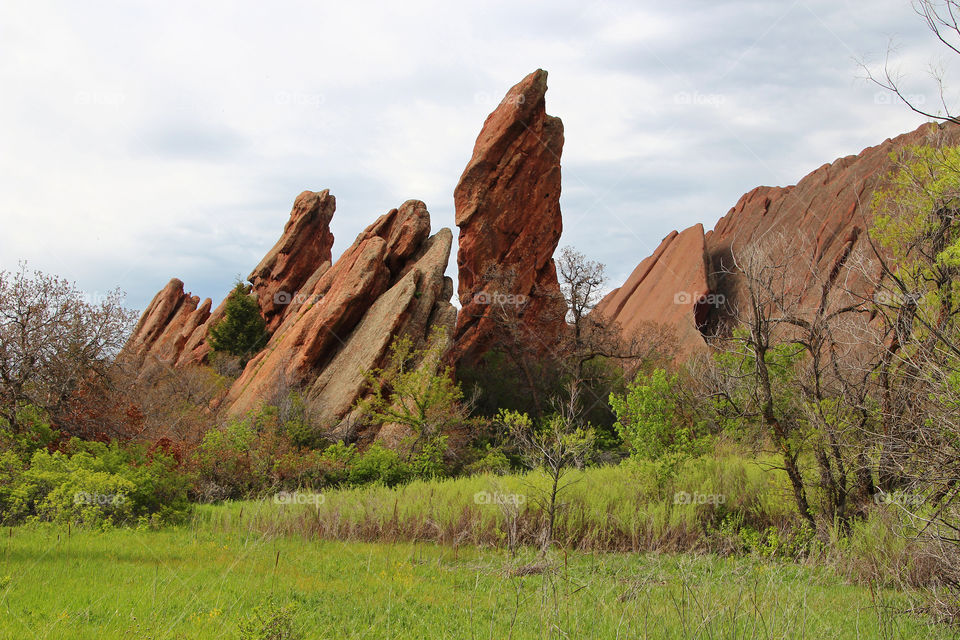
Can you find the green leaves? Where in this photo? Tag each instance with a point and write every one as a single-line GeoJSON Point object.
{"type": "Point", "coordinates": [650, 421]}
{"type": "Point", "coordinates": [243, 331]}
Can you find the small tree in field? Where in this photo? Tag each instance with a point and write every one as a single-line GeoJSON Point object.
{"type": "Point", "coordinates": [242, 332]}
{"type": "Point", "coordinates": [558, 444]}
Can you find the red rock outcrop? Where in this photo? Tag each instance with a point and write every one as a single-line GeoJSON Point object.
{"type": "Point", "coordinates": [165, 330]}
{"type": "Point", "coordinates": [825, 216]}
{"type": "Point", "coordinates": [508, 211]}
{"type": "Point", "coordinates": [306, 244]}
{"type": "Point", "coordinates": [173, 329]}
{"type": "Point", "coordinates": [389, 282]}
{"type": "Point", "coordinates": [671, 287]}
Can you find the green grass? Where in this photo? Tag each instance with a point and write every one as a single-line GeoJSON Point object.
{"type": "Point", "coordinates": [196, 581]}
{"type": "Point", "coordinates": [611, 508]}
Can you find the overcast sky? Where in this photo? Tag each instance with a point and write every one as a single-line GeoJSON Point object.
{"type": "Point", "coordinates": [142, 141]}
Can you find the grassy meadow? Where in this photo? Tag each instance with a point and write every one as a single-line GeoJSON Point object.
{"type": "Point", "coordinates": [191, 582]}
{"type": "Point", "coordinates": [459, 558]}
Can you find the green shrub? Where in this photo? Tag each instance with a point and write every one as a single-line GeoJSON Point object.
{"type": "Point", "coordinates": [242, 332]}
{"type": "Point", "coordinates": [379, 464]}
{"type": "Point", "coordinates": [35, 433]}
{"type": "Point", "coordinates": [428, 462]}
{"type": "Point", "coordinates": [270, 621]}
{"type": "Point", "coordinates": [223, 461]}
{"type": "Point", "coordinates": [490, 460]}
{"type": "Point", "coordinates": [92, 483]}
{"type": "Point", "coordinates": [652, 423]}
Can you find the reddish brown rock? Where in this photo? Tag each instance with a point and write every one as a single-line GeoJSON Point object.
{"type": "Point", "coordinates": [390, 281]}
{"type": "Point", "coordinates": [508, 211]}
{"type": "Point", "coordinates": [417, 303]}
{"type": "Point", "coordinates": [173, 329]}
{"type": "Point", "coordinates": [304, 246]}
{"type": "Point", "coordinates": [669, 287]}
{"type": "Point", "coordinates": [825, 216]}
{"type": "Point", "coordinates": [166, 326]}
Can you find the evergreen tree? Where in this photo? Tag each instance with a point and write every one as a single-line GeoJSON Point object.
{"type": "Point", "coordinates": [243, 331]}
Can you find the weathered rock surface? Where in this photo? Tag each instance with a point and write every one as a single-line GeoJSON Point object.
{"type": "Point", "coordinates": [173, 329]}
{"type": "Point", "coordinates": [671, 287]}
{"type": "Point", "coordinates": [306, 244]}
{"type": "Point", "coordinates": [825, 216]}
{"type": "Point", "coordinates": [508, 211]}
{"type": "Point", "coordinates": [389, 282]}
{"type": "Point", "coordinates": [165, 330]}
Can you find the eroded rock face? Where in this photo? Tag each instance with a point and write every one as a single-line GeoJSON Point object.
{"type": "Point", "coordinates": [508, 211]}
{"type": "Point", "coordinates": [671, 287]}
{"type": "Point", "coordinates": [329, 324]}
{"type": "Point", "coordinates": [824, 218]}
{"type": "Point", "coordinates": [173, 329]}
{"type": "Point", "coordinates": [305, 245]}
{"type": "Point", "coordinates": [165, 330]}
{"type": "Point", "coordinates": [389, 282]}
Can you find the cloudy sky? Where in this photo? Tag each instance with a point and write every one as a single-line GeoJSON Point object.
{"type": "Point", "coordinates": [141, 141]}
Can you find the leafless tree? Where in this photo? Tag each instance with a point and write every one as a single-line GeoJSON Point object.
{"type": "Point", "coordinates": [941, 18]}
{"type": "Point", "coordinates": [792, 365]}
{"type": "Point", "coordinates": [53, 340]}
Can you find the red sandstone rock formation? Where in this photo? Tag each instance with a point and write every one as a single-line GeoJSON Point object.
{"type": "Point", "coordinates": [389, 282]}
{"type": "Point", "coordinates": [825, 216]}
{"type": "Point", "coordinates": [304, 246]}
{"type": "Point", "coordinates": [508, 210]}
{"type": "Point", "coordinates": [166, 328]}
{"type": "Point", "coordinates": [173, 329]}
{"type": "Point", "coordinates": [671, 287]}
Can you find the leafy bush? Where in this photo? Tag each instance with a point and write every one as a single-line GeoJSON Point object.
{"type": "Point", "coordinates": [490, 460]}
{"type": "Point", "coordinates": [650, 420]}
{"type": "Point", "coordinates": [379, 464]}
{"type": "Point", "coordinates": [223, 463]}
{"type": "Point", "coordinates": [92, 483]}
{"type": "Point", "coordinates": [35, 432]}
{"type": "Point", "coordinates": [270, 621]}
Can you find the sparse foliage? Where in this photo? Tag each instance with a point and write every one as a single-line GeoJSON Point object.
{"type": "Point", "coordinates": [53, 341]}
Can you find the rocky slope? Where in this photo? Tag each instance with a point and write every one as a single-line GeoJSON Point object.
{"type": "Point", "coordinates": [329, 323]}
{"type": "Point", "coordinates": [821, 221]}
{"type": "Point", "coordinates": [389, 282]}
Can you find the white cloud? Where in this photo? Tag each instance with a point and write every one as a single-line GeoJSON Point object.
{"type": "Point", "coordinates": [144, 141]}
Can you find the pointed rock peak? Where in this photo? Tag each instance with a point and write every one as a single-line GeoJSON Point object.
{"type": "Point", "coordinates": [508, 210]}
{"type": "Point", "coordinates": [305, 244]}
